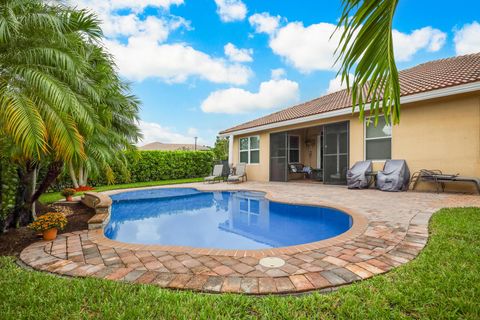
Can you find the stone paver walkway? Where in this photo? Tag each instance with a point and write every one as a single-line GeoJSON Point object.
{"type": "Point", "coordinates": [389, 229]}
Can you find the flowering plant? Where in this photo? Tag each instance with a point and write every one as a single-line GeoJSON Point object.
{"type": "Point", "coordinates": [68, 192]}
{"type": "Point", "coordinates": [84, 188]}
{"type": "Point", "coordinates": [49, 221]}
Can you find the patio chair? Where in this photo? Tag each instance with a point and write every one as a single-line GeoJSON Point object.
{"type": "Point", "coordinates": [356, 176]}
{"type": "Point", "coordinates": [240, 173]}
{"type": "Point", "coordinates": [439, 179]}
{"type": "Point", "coordinates": [395, 176]}
{"type": "Point", "coordinates": [216, 174]}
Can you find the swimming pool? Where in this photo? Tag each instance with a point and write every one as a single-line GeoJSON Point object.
{"type": "Point", "coordinates": [224, 220]}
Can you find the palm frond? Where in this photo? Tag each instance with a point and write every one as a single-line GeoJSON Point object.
{"type": "Point", "coordinates": [366, 46]}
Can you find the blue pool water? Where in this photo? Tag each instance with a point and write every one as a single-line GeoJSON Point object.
{"type": "Point", "coordinates": [226, 220]}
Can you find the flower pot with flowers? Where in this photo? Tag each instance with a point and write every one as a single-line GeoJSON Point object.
{"type": "Point", "coordinates": [49, 224]}
{"type": "Point", "coordinates": [68, 193]}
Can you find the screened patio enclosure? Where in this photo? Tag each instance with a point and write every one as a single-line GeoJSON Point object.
{"type": "Point", "coordinates": [322, 151]}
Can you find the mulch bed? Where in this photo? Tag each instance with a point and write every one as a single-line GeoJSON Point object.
{"type": "Point", "coordinates": [15, 240]}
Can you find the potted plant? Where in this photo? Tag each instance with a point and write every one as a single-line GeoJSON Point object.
{"type": "Point", "coordinates": [68, 193]}
{"type": "Point", "coordinates": [49, 224]}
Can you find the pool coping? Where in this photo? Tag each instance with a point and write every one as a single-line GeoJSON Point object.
{"type": "Point", "coordinates": [359, 224]}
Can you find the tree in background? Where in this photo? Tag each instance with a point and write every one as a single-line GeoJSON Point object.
{"type": "Point", "coordinates": [220, 149]}
{"type": "Point", "coordinates": [57, 104]}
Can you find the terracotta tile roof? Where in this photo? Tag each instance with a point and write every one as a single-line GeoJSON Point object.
{"type": "Point", "coordinates": [422, 78]}
{"type": "Point", "coordinates": [172, 147]}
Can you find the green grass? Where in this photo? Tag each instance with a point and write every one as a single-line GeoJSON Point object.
{"type": "Point", "coordinates": [442, 283]}
{"type": "Point", "coordinates": [55, 196]}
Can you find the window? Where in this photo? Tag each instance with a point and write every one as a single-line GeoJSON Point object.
{"type": "Point", "coordinates": [293, 149]}
{"type": "Point", "coordinates": [250, 149]}
{"type": "Point", "coordinates": [378, 139]}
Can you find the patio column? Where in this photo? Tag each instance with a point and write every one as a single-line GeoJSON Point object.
{"type": "Point", "coordinates": [230, 150]}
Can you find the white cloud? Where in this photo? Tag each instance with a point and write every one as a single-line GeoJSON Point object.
{"type": "Point", "coordinates": [406, 45]}
{"type": "Point", "coordinates": [271, 94]}
{"type": "Point", "coordinates": [311, 48]}
{"type": "Point", "coordinates": [336, 84]}
{"type": "Point", "coordinates": [231, 10]}
{"type": "Point", "coordinates": [306, 48]}
{"type": "Point", "coordinates": [139, 44]}
{"type": "Point", "coordinates": [192, 131]}
{"type": "Point", "coordinates": [141, 59]}
{"type": "Point", "coordinates": [154, 132]}
{"type": "Point", "coordinates": [467, 39]}
{"type": "Point", "coordinates": [237, 55]}
{"type": "Point", "coordinates": [264, 23]}
{"type": "Point", "coordinates": [278, 73]}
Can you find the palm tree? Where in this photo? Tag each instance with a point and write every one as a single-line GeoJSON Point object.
{"type": "Point", "coordinates": [366, 45]}
{"type": "Point", "coordinates": [116, 131]}
{"type": "Point", "coordinates": [53, 93]}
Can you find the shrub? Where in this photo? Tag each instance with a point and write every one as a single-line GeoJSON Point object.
{"type": "Point", "coordinates": [145, 166]}
{"type": "Point", "coordinates": [49, 221]}
{"type": "Point", "coordinates": [68, 192]}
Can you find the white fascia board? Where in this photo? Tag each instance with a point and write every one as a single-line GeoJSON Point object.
{"type": "Point", "coordinates": [444, 92]}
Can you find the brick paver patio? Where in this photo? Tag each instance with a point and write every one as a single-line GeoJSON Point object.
{"type": "Point", "coordinates": [389, 230]}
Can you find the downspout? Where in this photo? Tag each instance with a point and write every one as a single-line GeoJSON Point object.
{"type": "Point", "coordinates": [230, 150]}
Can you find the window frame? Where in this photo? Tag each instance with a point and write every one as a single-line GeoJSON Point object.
{"type": "Point", "coordinates": [249, 149]}
{"type": "Point", "coordinates": [299, 148]}
{"type": "Point", "coordinates": [365, 139]}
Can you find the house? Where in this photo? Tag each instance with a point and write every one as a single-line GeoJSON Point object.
{"type": "Point", "coordinates": [439, 129]}
{"type": "Point", "coordinates": [172, 147]}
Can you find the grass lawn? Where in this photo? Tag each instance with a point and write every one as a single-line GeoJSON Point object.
{"type": "Point", "coordinates": [442, 283]}
{"type": "Point", "coordinates": [55, 196]}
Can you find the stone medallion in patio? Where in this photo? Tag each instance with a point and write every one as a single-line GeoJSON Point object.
{"type": "Point", "coordinates": [389, 230]}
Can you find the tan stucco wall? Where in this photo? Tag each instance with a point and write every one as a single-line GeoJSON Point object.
{"type": "Point", "coordinates": [438, 134]}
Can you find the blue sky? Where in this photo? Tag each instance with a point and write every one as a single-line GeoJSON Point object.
{"type": "Point", "coordinates": [200, 66]}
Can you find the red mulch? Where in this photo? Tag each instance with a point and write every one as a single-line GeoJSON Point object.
{"type": "Point", "coordinates": [15, 240]}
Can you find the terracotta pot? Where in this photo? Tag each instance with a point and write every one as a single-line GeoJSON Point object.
{"type": "Point", "coordinates": [69, 198]}
{"type": "Point", "coordinates": [50, 234]}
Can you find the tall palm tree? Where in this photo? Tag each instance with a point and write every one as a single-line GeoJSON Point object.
{"type": "Point", "coordinates": [366, 46]}
{"type": "Point", "coordinates": [52, 95]}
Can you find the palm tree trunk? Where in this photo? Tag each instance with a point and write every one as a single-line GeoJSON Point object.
{"type": "Point", "coordinates": [54, 170]}
{"type": "Point", "coordinates": [72, 175]}
{"type": "Point", "coordinates": [23, 206]}
{"type": "Point", "coordinates": [80, 175]}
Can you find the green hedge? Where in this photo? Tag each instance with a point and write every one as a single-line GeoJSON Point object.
{"type": "Point", "coordinates": [145, 166]}
{"type": "Point", "coordinates": [166, 165]}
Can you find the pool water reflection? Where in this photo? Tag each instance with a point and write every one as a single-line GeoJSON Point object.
{"type": "Point", "coordinates": [224, 220]}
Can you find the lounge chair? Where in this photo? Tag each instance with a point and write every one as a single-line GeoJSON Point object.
{"type": "Point", "coordinates": [395, 176]}
{"type": "Point", "coordinates": [439, 179]}
{"type": "Point", "coordinates": [240, 174]}
{"type": "Point", "coordinates": [216, 174]}
{"type": "Point", "coordinates": [356, 176]}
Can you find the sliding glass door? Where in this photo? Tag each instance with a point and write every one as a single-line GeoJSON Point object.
{"type": "Point", "coordinates": [335, 153]}
{"type": "Point", "coordinates": [278, 156]}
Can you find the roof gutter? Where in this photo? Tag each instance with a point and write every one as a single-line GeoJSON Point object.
{"type": "Point", "coordinates": [443, 92]}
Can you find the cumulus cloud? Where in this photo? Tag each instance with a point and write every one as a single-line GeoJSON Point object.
{"type": "Point", "coordinates": [278, 73]}
{"type": "Point", "coordinates": [140, 59]}
{"type": "Point", "coordinates": [406, 45]}
{"type": "Point", "coordinates": [311, 48]}
{"type": "Point", "coordinates": [154, 132]}
{"type": "Point", "coordinates": [264, 23]}
{"type": "Point", "coordinates": [238, 55]}
{"type": "Point", "coordinates": [306, 48]}
{"type": "Point", "coordinates": [336, 84]}
{"type": "Point", "coordinates": [138, 43]}
{"type": "Point", "coordinates": [467, 39]}
{"type": "Point", "coordinates": [271, 94]}
{"type": "Point", "coordinates": [231, 10]}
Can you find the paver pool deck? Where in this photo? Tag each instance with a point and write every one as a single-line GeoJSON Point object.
{"type": "Point", "coordinates": [389, 229]}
